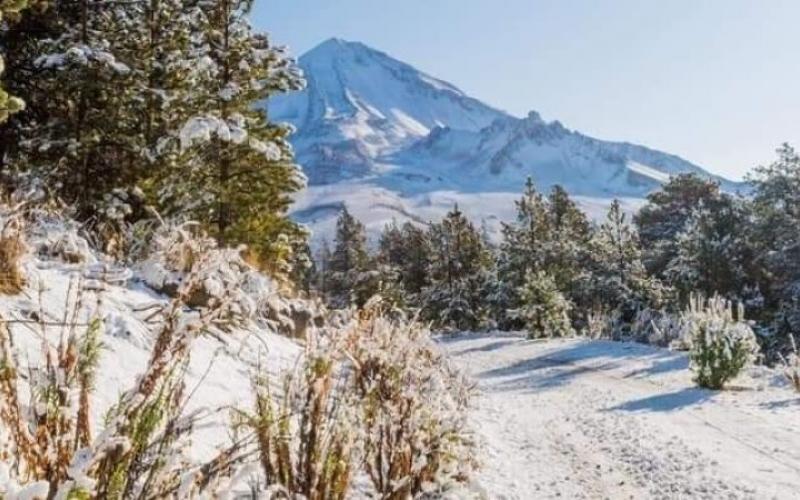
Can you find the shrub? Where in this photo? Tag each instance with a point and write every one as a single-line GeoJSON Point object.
{"type": "Point", "coordinates": [660, 327]}
{"type": "Point", "coordinates": [601, 324]}
{"type": "Point", "coordinates": [48, 446]}
{"type": "Point", "coordinates": [411, 407]}
{"type": "Point", "coordinates": [305, 436]}
{"type": "Point", "coordinates": [791, 365]}
{"type": "Point", "coordinates": [544, 309]}
{"type": "Point", "coordinates": [721, 341]}
{"type": "Point", "coordinates": [12, 249]}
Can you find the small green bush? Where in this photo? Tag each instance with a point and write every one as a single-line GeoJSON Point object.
{"type": "Point", "coordinates": [722, 343]}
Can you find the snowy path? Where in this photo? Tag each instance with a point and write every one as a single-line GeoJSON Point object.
{"type": "Point", "coordinates": [590, 419]}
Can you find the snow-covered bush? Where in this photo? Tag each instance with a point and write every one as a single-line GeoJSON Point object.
{"type": "Point", "coordinates": [791, 365]}
{"type": "Point", "coordinates": [306, 435]}
{"type": "Point", "coordinates": [12, 249]}
{"type": "Point", "coordinates": [722, 342]}
{"type": "Point", "coordinates": [660, 327]}
{"type": "Point", "coordinates": [47, 449]}
{"type": "Point", "coordinates": [250, 296]}
{"type": "Point", "coordinates": [544, 308]}
{"type": "Point", "coordinates": [600, 324]}
{"type": "Point", "coordinates": [411, 407]}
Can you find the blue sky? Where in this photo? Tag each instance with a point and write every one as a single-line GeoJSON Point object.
{"type": "Point", "coordinates": [714, 81]}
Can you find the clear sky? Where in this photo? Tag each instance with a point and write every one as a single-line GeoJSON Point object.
{"type": "Point", "coordinates": [714, 81]}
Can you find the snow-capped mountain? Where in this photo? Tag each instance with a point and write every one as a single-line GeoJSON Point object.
{"type": "Point", "coordinates": [393, 142]}
{"type": "Point", "coordinates": [361, 104]}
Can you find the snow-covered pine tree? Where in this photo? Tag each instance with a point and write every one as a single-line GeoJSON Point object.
{"type": "Point", "coordinates": [457, 273]}
{"type": "Point", "coordinates": [666, 213]}
{"type": "Point", "coordinates": [565, 252]}
{"type": "Point", "coordinates": [82, 144]}
{"type": "Point", "coordinates": [240, 170]}
{"type": "Point", "coordinates": [518, 253]}
{"type": "Point", "coordinates": [544, 309]}
{"type": "Point", "coordinates": [21, 33]}
{"type": "Point", "coordinates": [348, 275]}
{"type": "Point", "coordinates": [416, 261]}
{"type": "Point", "coordinates": [8, 103]}
{"type": "Point", "coordinates": [716, 254]}
{"type": "Point", "coordinates": [618, 280]}
{"type": "Point", "coordinates": [403, 254]}
{"type": "Point", "coordinates": [776, 207]}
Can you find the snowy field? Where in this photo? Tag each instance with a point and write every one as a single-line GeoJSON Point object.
{"type": "Point", "coordinates": [595, 419]}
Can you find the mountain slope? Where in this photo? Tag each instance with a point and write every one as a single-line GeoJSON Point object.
{"type": "Point", "coordinates": [361, 104]}
{"type": "Point", "coordinates": [393, 142]}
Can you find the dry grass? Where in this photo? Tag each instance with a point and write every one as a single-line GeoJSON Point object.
{"type": "Point", "coordinates": [305, 438]}
{"type": "Point", "coordinates": [411, 405]}
{"type": "Point", "coordinates": [45, 411]}
{"type": "Point", "coordinates": [12, 249]}
{"type": "Point", "coordinates": [791, 366]}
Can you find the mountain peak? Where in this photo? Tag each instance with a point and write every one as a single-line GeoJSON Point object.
{"type": "Point", "coordinates": [362, 102]}
{"type": "Point", "coordinates": [331, 46]}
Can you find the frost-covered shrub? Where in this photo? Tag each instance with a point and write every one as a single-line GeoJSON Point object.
{"type": "Point", "coordinates": [411, 407]}
{"type": "Point", "coordinates": [47, 448]}
{"type": "Point", "coordinates": [306, 435]}
{"type": "Point", "coordinates": [12, 249]}
{"type": "Point", "coordinates": [249, 295]}
{"type": "Point", "coordinates": [601, 324]}
{"type": "Point", "coordinates": [544, 308]}
{"type": "Point", "coordinates": [791, 365]}
{"type": "Point", "coordinates": [722, 342]}
{"type": "Point", "coordinates": [660, 327]}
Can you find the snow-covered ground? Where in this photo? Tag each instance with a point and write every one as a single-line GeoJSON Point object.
{"type": "Point", "coordinates": [220, 369]}
{"type": "Point", "coordinates": [596, 419]}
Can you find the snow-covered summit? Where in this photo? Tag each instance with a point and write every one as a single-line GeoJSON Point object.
{"type": "Point", "coordinates": [361, 104]}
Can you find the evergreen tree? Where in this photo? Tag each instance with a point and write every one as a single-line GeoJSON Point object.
{"type": "Point", "coordinates": [776, 232]}
{"type": "Point", "coordinates": [715, 253]}
{"type": "Point", "coordinates": [349, 278]}
{"type": "Point", "coordinates": [666, 213]}
{"type": "Point", "coordinates": [619, 281]}
{"type": "Point", "coordinates": [403, 259]}
{"type": "Point", "coordinates": [8, 103]}
{"type": "Point", "coordinates": [565, 251]}
{"type": "Point", "coordinates": [241, 171]}
{"type": "Point", "coordinates": [85, 146]}
{"type": "Point", "coordinates": [520, 251]}
{"type": "Point", "coordinates": [457, 273]}
{"type": "Point", "coordinates": [544, 309]}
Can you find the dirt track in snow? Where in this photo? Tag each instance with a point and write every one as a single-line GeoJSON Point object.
{"type": "Point", "coordinates": [592, 419]}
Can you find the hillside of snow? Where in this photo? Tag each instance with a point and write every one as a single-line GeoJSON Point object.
{"type": "Point", "coordinates": [64, 277]}
{"type": "Point", "coordinates": [585, 419]}
{"type": "Point", "coordinates": [396, 143]}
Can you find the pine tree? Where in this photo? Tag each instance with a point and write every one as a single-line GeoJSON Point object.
{"type": "Point", "coordinates": [776, 208]}
{"type": "Point", "coordinates": [519, 253]}
{"type": "Point", "coordinates": [403, 259]}
{"type": "Point", "coordinates": [8, 103]}
{"type": "Point", "coordinates": [544, 309]}
{"type": "Point", "coordinates": [241, 171]}
{"type": "Point", "coordinates": [84, 148]}
{"type": "Point", "coordinates": [416, 261]}
{"type": "Point", "coordinates": [619, 281]}
{"type": "Point", "coordinates": [348, 274]}
{"type": "Point", "coordinates": [457, 273]}
{"type": "Point", "coordinates": [565, 251]}
{"type": "Point", "coordinates": [715, 253]}
{"type": "Point", "coordinates": [666, 213]}
{"type": "Point", "coordinates": [10, 13]}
